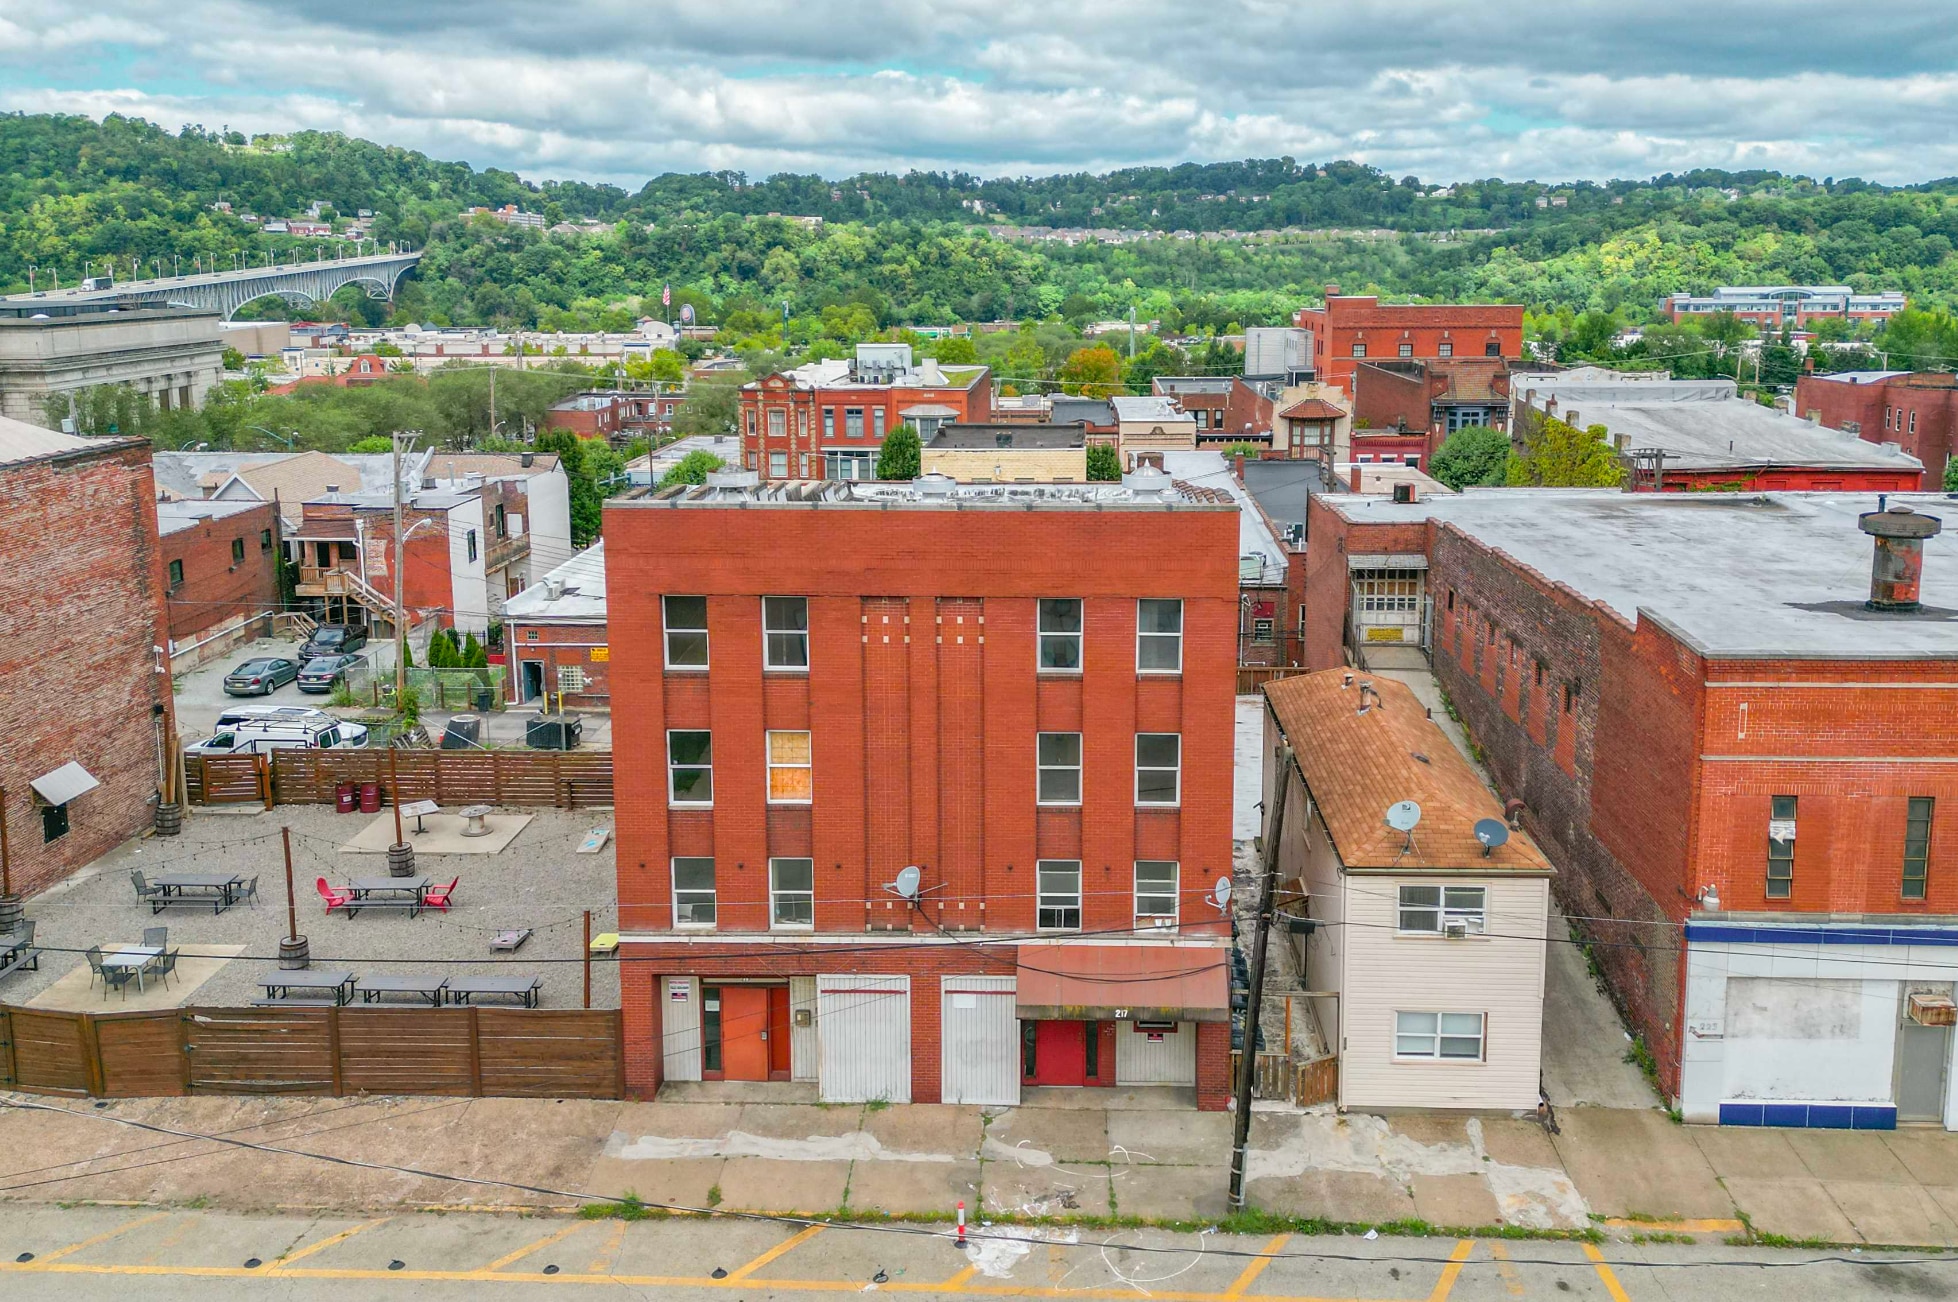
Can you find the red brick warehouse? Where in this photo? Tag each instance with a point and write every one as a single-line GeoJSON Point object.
{"type": "Point", "coordinates": [1352, 328]}
{"type": "Point", "coordinates": [817, 687]}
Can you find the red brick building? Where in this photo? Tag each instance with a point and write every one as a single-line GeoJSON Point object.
{"type": "Point", "coordinates": [827, 420]}
{"type": "Point", "coordinates": [1918, 411]}
{"type": "Point", "coordinates": [817, 689]}
{"type": "Point", "coordinates": [1226, 409]}
{"type": "Point", "coordinates": [221, 574]}
{"type": "Point", "coordinates": [1351, 328]}
{"type": "Point", "coordinates": [1746, 776]}
{"type": "Point", "coordinates": [85, 700]}
{"type": "Point", "coordinates": [1435, 397]}
{"type": "Point", "coordinates": [555, 633]}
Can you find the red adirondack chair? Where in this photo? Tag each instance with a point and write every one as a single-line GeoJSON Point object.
{"type": "Point", "coordinates": [437, 897]}
{"type": "Point", "coordinates": [335, 899]}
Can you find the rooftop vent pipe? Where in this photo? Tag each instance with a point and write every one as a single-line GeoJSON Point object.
{"type": "Point", "coordinates": [1897, 567]}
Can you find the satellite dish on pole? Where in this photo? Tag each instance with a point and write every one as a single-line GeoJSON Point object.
{"type": "Point", "coordinates": [1403, 815]}
{"type": "Point", "coordinates": [1221, 895]}
{"type": "Point", "coordinates": [908, 879]}
{"type": "Point", "coordinates": [1492, 832]}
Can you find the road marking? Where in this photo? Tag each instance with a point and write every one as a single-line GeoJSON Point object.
{"type": "Point", "coordinates": [278, 1267]}
{"type": "Point", "coordinates": [1452, 1271]}
{"type": "Point", "coordinates": [1676, 1227]}
{"type": "Point", "coordinates": [609, 1254]}
{"type": "Point", "coordinates": [1511, 1280]}
{"type": "Point", "coordinates": [1257, 1268]}
{"type": "Point", "coordinates": [104, 1237]}
{"type": "Point", "coordinates": [789, 1244]}
{"type": "Point", "coordinates": [957, 1283]}
{"type": "Point", "coordinates": [529, 1248]}
{"type": "Point", "coordinates": [1605, 1273]}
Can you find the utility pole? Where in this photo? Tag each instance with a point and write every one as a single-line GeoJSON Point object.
{"type": "Point", "coordinates": [1247, 1063]}
{"type": "Point", "coordinates": [400, 621]}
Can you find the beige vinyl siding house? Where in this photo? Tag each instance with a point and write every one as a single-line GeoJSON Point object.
{"type": "Point", "coordinates": [1428, 956]}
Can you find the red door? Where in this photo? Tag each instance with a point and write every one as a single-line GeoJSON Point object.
{"type": "Point", "coordinates": [778, 1032]}
{"type": "Point", "coordinates": [1060, 1053]}
{"type": "Point", "coordinates": [744, 1032]}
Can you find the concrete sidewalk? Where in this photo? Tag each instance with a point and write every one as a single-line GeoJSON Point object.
{"type": "Point", "coordinates": [1137, 1153]}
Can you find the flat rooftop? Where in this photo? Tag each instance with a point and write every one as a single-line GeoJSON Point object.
{"type": "Point", "coordinates": [1740, 575]}
{"type": "Point", "coordinates": [172, 517]}
{"type": "Point", "coordinates": [1147, 490]}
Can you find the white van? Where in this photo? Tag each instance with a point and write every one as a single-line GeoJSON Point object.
{"type": "Point", "coordinates": [262, 736]}
{"type": "Point", "coordinates": [235, 714]}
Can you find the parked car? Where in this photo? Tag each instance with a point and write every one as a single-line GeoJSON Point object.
{"type": "Point", "coordinates": [259, 736]}
{"type": "Point", "coordinates": [324, 673]}
{"type": "Point", "coordinates": [260, 677]}
{"type": "Point", "coordinates": [334, 640]}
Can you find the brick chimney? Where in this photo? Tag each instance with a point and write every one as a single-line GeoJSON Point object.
{"type": "Point", "coordinates": [1897, 567]}
{"type": "Point", "coordinates": [1332, 291]}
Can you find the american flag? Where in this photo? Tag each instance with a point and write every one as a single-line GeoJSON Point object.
{"type": "Point", "coordinates": [666, 296]}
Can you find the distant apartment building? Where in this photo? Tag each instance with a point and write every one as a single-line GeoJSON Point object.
{"type": "Point", "coordinates": [1353, 328]}
{"type": "Point", "coordinates": [827, 420]}
{"type": "Point", "coordinates": [1794, 307]}
{"type": "Point", "coordinates": [1916, 410]}
{"type": "Point", "coordinates": [1226, 409]}
{"type": "Point", "coordinates": [617, 415]}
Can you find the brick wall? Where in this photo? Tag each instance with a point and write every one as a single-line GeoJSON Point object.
{"type": "Point", "coordinates": [1326, 594]}
{"type": "Point", "coordinates": [81, 609]}
{"type": "Point", "coordinates": [219, 590]}
{"type": "Point", "coordinates": [1918, 412]}
{"type": "Point", "coordinates": [556, 646]}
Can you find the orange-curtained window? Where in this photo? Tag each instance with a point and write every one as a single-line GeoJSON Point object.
{"type": "Point", "coordinates": [791, 777]}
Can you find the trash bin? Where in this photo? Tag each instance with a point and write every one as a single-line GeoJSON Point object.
{"type": "Point", "coordinates": [485, 700]}
{"type": "Point", "coordinates": [465, 732]}
{"type": "Point", "coordinates": [346, 797]}
{"type": "Point", "coordinates": [370, 797]}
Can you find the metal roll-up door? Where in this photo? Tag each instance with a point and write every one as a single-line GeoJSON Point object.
{"type": "Point", "coordinates": [979, 1031]}
{"type": "Point", "coordinates": [863, 1033]}
{"type": "Point", "coordinates": [1155, 1053]}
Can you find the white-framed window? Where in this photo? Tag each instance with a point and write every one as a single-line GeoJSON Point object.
{"type": "Point", "coordinates": [1058, 755]}
{"type": "Point", "coordinates": [1059, 884]}
{"type": "Point", "coordinates": [1159, 635]}
{"type": "Point", "coordinates": [785, 628]}
{"type": "Point", "coordinates": [1446, 349]}
{"type": "Point", "coordinates": [1430, 909]}
{"type": "Point", "coordinates": [778, 423]}
{"type": "Point", "coordinates": [1158, 768]}
{"type": "Point", "coordinates": [1407, 350]}
{"type": "Point", "coordinates": [1060, 635]}
{"type": "Point", "coordinates": [693, 892]}
{"type": "Point", "coordinates": [686, 631]}
{"type": "Point", "coordinates": [853, 422]}
{"type": "Point", "coordinates": [1359, 350]}
{"type": "Point", "coordinates": [1448, 1037]}
{"type": "Point", "coordinates": [791, 893]}
{"type": "Point", "coordinates": [689, 766]}
{"type": "Point", "coordinates": [1155, 891]}
{"type": "Point", "coordinates": [829, 423]}
{"type": "Point", "coordinates": [778, 465]}
{"type": "Point", "coordinates": [877, 421]}
{"type": "Point", "coordinates": [791, 771]}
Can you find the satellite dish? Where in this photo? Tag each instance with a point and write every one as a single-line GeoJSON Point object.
{"type": "Point", "coordinates": [908, 880]}
{"type": "Point", "coordinates": [1221, 896]}
{"type": "Point", "coordinates": [1492, 832]}
{"type": "Point", "coordinates": [1403, 815]}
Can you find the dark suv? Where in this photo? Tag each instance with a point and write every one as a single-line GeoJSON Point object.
{"type": "Point", "coordinates": [333, 640]}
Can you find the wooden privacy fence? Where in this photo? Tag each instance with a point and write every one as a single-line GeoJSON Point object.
{"type": "Point", "coordinates": [471, 1052]}
{"type": "Point", "coordinates": [564, 779]}
{"type": "Point", "coordinates": [1299, 1083]}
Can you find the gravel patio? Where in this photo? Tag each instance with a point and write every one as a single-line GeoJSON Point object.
{"type": "Point", "coordinates": [539, 881]}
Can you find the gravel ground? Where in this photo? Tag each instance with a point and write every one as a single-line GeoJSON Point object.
{"type": "Point", "coordinates": [539, 881]}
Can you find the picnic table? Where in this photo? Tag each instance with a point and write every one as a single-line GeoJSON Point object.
{"type": "Point", "coordinates": [17, 950]}
{"type": "Point", "coordinates": [185, 888]}
{"type": "Point", "coordinates": [136, 958]}
{"type": "Point", "coordinates": [428, 987]}
{"type": "Point", "coordinates": [525, 988]}
{"type": "Point", "coordinates": [418, 810]}
{"type": "Point", "coordinates": [387, 893]}
{"type": "Point", "coordinates": [339, 988]}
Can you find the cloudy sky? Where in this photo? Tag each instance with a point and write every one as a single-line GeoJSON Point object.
{"type": "Point", "coordinates": [620, 90]}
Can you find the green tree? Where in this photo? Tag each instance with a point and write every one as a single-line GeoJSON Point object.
{"type": "Point", "coordinates": [900, 456]}
{"type": "Point", "coordinates": [1951, 475]}
{"type": "Point", "coordinates": [693, 468]}
{"type": "Point", "coordinates": [712, 406]}
{"type": "Point", "coordinates": [1559, 455]}
{"type": "Point", "coordinates": [233, 360]}
{"type": "Point", "coordinates": [1104, 464]}
{"type": "Point", "coordinates": [377, 443]}
{"type": "Point", "coordinates": [1474, 454]}
{"type": "Point", "coordinates": [1592, 335]}
{"type": "Point", "coordinates": [472, 656]}
{"type": "Point", "coordinates": [1092, 372]}
{"type": "Point", "coordinates": [956, 350]}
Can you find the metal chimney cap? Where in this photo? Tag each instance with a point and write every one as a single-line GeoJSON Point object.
{"type": "Point", "coordinates": [1899, 521]}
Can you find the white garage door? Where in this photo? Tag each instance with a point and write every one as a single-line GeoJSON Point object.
{"type": "Point", "coordinates": [863, 1029]}
{"type": "Point", "coordinates": [980, 1034]}
{"type": "Point", "coordinates": [1149, 1053]}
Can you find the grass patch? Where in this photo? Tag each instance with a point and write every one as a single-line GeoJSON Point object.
{"type": "Point", "coordinates": [713, 1195]}
{"type": "Point", "coordinates": [877, 1105]}
{"type": "Point", "coordinates": [1641, 1057]}
{"type": "Point", "coordinates": [628, 1208]}
{"type": "Point", "coordinates": [1663, 1236]}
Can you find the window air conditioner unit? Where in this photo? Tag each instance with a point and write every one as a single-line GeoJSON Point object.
{"type": "Point", "coordinates": [1455, 930]}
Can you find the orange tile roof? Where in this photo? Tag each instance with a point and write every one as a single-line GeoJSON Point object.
{"type": "Point", "coordinates": [1356, 765]}
{"type": "Point", "coordinates": [1311, 409]}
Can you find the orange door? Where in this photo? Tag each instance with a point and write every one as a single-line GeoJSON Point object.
{"type": "Point", "coordinates": [778, 1032]}
{"type": "Point", "coordinates": [744, 1032]}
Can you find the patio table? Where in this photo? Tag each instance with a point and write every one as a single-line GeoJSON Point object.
{"type": "Point", "coordinates": [177, 888]}
{"type": "Point", "coordinates": [387, 892]}
{"type": "Point", "coordinates": [525, 988]}
{"type": "Point", "coordinates": [428, 987]}
{"type": "Point", "coordinates": [135, 957]}
{"type": "Point", "coordinates": [339, 986]}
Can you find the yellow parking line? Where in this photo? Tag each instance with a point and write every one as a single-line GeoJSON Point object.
{"type": "Point", "coordinates": [104, 1237]}
{"type": "Point", "coordinates": [1511, 1280]}
{"type": "Point", "coordinates": [1452, 1271]}
{"type": "Point", "coordinates": [608, 1255]}
{"type": "Point", "coordinates": [1605, 1273]}
{"type": "Point", "coordinates": [1257, 1267]}
{"type": "Point", "coordinates": [544, 1242]}
{"type": "Point", "coordinates": [789, 1244]}
{"type": "Point", "coordinates": [957, 1283]}
{"type": "Point", "coordinates": [278, 1267]}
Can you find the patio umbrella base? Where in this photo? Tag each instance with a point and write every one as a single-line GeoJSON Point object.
{"type": "Point", "coordinates": [9, 913]}
{"type": "Point", "coordinates": [169, 820]}
{"type": "Point", "coordinates": [401, 860]}
{"type": "Point", "coordinates": [294, 953]}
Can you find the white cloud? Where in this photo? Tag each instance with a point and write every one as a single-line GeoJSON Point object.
{"type": "Point", "coordinates": [623, 89]}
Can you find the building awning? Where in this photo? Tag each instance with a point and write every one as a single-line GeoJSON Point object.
{"type": "Point", "coordinates": [1387, 561]}
{"type": "Point", "coordinates": [1085, 982]}
{"type": "Point", "coordinates": [64, 784]}
{"type": "Point", "coordinates": [938, 409]}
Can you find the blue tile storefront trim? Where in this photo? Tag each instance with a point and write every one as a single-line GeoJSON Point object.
{"type": "Point", "coordinates": [1741, 934]}
{"type": "Point", "coordinates": [1811, 1116]}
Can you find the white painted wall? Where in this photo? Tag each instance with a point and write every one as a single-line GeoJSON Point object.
{"type": "Point", "coordinates": [547, 518]}
{"type": "Point", "coordinates": [468, 579]}
{"type": "Point", "coordinates": [1169, 1061]}
{"type": "Point", "coordinates": [803, 1047]}
{"type": "Point", "coordinates": [680, 1026]}
{"type": "Point", "coordinates": [1817, 1041]}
